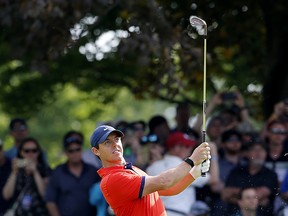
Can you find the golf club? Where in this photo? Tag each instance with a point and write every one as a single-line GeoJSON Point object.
{"type": "Point", "coordinates": [200, 24]}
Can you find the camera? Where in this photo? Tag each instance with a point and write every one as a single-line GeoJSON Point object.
{"type": "Point", "coordinates": [228, 96]}
{"type": "Point", "coordinates": [151, 138]}
{"type": "Point", "coordinates": [21, 163]}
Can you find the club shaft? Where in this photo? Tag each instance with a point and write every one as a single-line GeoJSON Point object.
{"type": "Point", "coordinates": [204, 96]}
{"type": "Point", "coordinates": [204, 86]}
{"type": "Point", "coordinates": [196, 21]}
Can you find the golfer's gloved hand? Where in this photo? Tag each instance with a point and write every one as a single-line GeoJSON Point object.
{"type": "Point", "coordinates": [201, 168]}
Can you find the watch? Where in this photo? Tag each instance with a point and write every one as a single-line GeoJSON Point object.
{"type": "Point", "coordinates": [189, 161]}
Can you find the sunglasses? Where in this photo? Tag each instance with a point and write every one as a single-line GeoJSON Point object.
{"type": "Point", "coordinates": [19, 128]}
{"type": "Point", "coordinates": [149, 139]}
{"type": "Point", "coordinates": [73, 150]}
{"type": "Point", "coordinates": [34, 150]}
{"type": "Point", "coordinates": [233, 139]}
{"type": "Point", "coordinates": [278, 131]}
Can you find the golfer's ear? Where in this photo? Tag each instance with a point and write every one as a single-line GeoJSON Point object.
{"type": "Point", "coordinates": [95, 151]}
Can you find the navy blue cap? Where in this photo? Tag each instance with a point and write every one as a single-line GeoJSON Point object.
{"type": "Point", "coordinates": [101, 133]}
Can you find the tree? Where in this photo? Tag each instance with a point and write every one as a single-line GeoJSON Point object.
{"type": "Point", "coordinates": [151, 52]}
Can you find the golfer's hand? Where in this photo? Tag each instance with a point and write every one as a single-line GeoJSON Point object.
{"type": "Point", "coordinates": [201, 153]}
{"type": "Point", "coordinates": [201, 168]}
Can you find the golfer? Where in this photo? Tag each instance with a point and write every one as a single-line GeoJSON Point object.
{"type": "Point", "coordinates": [128, 189]}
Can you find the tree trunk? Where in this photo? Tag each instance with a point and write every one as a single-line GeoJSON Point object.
{"type": "Point", "coordinates": [275, 87]}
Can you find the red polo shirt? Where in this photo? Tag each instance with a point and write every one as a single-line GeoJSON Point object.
{"type": "Point", "coordinates": [122, 187]}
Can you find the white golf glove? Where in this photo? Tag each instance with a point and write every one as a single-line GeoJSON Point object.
{"type": "Point", "coordinates": [201, 168]}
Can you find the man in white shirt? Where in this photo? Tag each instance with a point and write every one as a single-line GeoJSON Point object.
{"type": "Point", "coordinates": [179, 146]}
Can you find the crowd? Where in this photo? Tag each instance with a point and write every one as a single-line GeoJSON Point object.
{"type": "Point", "coordinates": [248, 173]}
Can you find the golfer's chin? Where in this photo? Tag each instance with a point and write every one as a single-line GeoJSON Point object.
{"type": "Point", "coordinates": [119, 162]}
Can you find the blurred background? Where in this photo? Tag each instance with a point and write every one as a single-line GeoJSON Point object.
{"type": "Point", "coordinates": [74, 64]}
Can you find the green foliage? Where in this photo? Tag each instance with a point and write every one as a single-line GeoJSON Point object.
{"type": "Point", "coordinates": [53, 72]}
{"type": "Point", "coordinates": [74, 110]}
{"type": "Point", "coordinates": [151, 52]}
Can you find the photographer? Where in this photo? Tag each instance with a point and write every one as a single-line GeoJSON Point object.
{"type": "Point", "coordinates": [280, 113]}
{"type": "Point", "coordinates": [232, 111]}
{"type": "Point", "coordinates": [155, 150]}
{"type": "Point", "coordinates": [26, 184]}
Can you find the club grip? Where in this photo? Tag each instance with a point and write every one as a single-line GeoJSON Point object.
{"type": "Point", "coordinates": [203, 174]}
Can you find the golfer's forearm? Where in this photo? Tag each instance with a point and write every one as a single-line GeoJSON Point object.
{"type": "Point", "coordinates": [179, 187]}
{"type": "Point", "coordinates": [171, 177]}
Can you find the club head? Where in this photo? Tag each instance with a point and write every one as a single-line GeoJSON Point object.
{"type": "Point", "coordinates": [198, 23]}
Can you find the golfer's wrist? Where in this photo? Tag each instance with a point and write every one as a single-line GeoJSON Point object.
{"type": "Point", "coordinates": [195, 172]}
{"type": "Point", "coordinates": [189, 161]}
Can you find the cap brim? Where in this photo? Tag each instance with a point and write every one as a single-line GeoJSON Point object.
{"type": "Point", "coordinates": [104, 137]}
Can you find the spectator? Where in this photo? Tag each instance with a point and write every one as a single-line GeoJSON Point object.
{"type": "Point", "coordinates": [284, 196]}
{"type": "Point", "coordinates": [67, 192]}
{"type": "Point", "coordinates": [26, 184]}
{"type": "Point", "coordinates": [179, 146]}
{"type": "Point", "coordinates": [156, 150]}
{"type": "Point", "coordinates": [276, 159]}
{"type": "Point", "coordinates": [158, 125]}
{"type": "Point", "coordinates": [215, 128]}
{"type": "Point", "coordinates": [231, 157]}
{"type": "Point", "coordinates": [255, 175]}
{"type": "Point", "coordinates": [280, 112]}
{"type": "Point", "coordinates": [232, 145]}
{"type": "Point", "coordinates": [232, 109]}
{"type": "Point", "coordinates": [19, 131]}
{"type": "Point", "coordinates": [247, 138]}
{"type": "Point", "coordinates": [138, 128]}
{"type": "Point", "coordinates": [5, 170]}
{"type": "Point", "coordinates": [247, 202]}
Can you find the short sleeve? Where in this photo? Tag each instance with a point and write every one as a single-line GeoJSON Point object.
{"type": "Point", "coordinates": [121, 187]}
